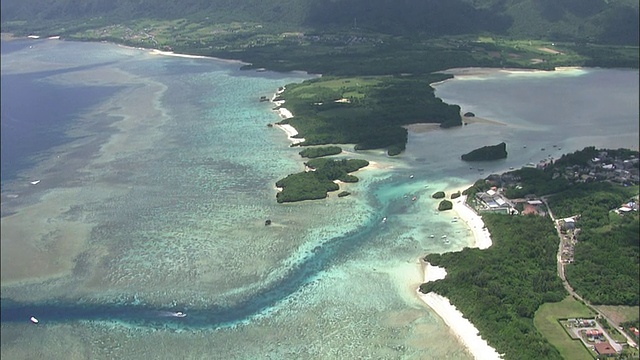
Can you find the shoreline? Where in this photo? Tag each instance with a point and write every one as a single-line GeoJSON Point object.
{"type": "Point", "coordinates": [461, 327]}
{"type": "Point", "coordinates": [482, 237]}
{"type": "Point", "coordinates": [285, 114]}
{"type": "Point", "coordinates": [479, 71]}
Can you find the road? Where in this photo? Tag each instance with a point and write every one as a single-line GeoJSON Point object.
{"type": "Point", "coordinates": [567, 286]}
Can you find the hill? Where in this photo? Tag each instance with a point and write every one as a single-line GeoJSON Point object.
{"type": "Point", "coordinates": [599, 21]}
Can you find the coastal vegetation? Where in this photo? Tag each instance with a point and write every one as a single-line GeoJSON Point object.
{"type": "Point", "coordinates": [376, 80]}
{"type": "Point", "coordinates": [400, 46]}
{"type": "Point", "coordinates": [487, 153]}
{"type": "Point", "coordinates": [445, 205]}
{"type": "Point", "coordinates": [314, 152]}
{"type": "Point", "coordinates": [603, 271]}
{"type": "Point", "coordinates": [316, 183]}
{"type": "Point", "coordinates": [499, 289]}
{"type": "Point", "coordinates": [368, 111]}
{"type": "Point", "coordinates": [438, 195]}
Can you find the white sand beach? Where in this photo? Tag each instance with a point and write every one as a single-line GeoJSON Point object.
{"type": "Point", "coordinates": [284, 113]}
{"type": "Point", "coordinates": [171, 53]}
{"type": "Point", "coordinates": [291, 132]}
{"type": "Point", "coordinates": [473, 221]}
{"type": "Point", "coordinates": [461, 327]}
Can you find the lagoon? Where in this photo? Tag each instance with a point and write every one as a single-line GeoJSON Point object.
{"type": "Point", "coordinates": [153, 199]}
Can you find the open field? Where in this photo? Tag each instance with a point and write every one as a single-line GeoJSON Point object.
{"type": "Point", "coordinates": [546, 321]}
{"type": "Point", "coordinates": [620, 314]}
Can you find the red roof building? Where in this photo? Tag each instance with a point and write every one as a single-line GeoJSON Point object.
{"type": "Point", "coordinates": [604, 348]}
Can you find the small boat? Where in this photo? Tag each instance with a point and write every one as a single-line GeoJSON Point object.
{"type": "Point", "coordinates": [414, 198]}
{"type": "Point", "coordinates": [34, 182]}
{"type": "Point", "coordinates": [432, 236]}
{"type": "Point", "coordinates": [384, 219]}
{"type": "Point", "coordinates": [179, 314]}
{"type": "Point", "coordinates": [411, 176]}
{"type": "Point", "coordinates": [444, 236]}
{"type": "Point", "coordinates": [34, 320]}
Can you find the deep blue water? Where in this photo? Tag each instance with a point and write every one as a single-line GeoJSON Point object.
{"type": "Point", "coordinates": [35, 114]}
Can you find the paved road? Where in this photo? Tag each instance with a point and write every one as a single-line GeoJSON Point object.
{"type": "Point", "coordinates": [567, 286]}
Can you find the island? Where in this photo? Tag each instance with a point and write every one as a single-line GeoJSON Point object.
{"type": "Point", "coordinates": [377, 68]}
{"type": "Point", "coordinates": [487, 153]}
{"type": "Point", "coordinates": [319, 179]}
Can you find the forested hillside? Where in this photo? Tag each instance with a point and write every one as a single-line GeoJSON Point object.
{"type": "Point", "coordinates": [603, 21]}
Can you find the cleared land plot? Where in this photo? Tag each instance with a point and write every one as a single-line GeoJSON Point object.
{"type": "Point", "coordinates": [620, 314]}
{"type": "Point", "coordinates": [546, 321]}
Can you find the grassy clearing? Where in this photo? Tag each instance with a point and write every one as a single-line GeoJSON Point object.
{"type": "Point", "coordinates": [350, 87]}
{"type": "Point", "coordinates": [546, 321]}
{"type": "Point", "coordinates": [620, 313]}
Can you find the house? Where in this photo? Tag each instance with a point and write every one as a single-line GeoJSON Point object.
{"type": "Point", "coordinates": [568, 224]}
{"type": "Point", "coordinates": [586, 323]}
{"type": "Point", "coordinates": [594, 334]}
{"type": "Point", "coordinates": [605, 349]}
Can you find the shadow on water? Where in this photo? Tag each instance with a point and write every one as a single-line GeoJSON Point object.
{"type": "Point", "coordinates": [318, 260]}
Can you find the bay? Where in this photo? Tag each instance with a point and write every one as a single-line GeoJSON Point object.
{"type": "Point", "coordinates": [153, 200]}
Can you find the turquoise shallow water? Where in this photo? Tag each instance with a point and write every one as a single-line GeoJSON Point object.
{"type": "Point", "coordinates": [157, 203]}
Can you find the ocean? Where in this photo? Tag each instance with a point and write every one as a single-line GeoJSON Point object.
{"type": "Point", "coordinates": [157, 173]}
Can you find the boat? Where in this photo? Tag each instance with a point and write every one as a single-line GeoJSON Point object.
{"type": "Point", "coordinates": [411, 176]}
{"type": "Point", "coordinates": [432, 236]}
{"type": "Point", "coordinates": [34, 182]}
{"type": "Point", "coordinates": [34, 320]}
{"type": "Point", "coordinates": [384, 219]}
{"type": "Point", "coordinates": [179, 314]}
{"type": "Point", "coordinates": [414, 198]}
{"type": "Point", "coordinates": [444, 236]}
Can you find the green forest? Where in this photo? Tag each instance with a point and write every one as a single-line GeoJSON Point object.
{"type": "Point", "coordinates": [316, 183]}
{"type": "Point", "coordinates": [486, 153]}
{"type": "Point", "coordinates": [366, 111]}
{"type": "Point", "coordinates": [606, 261]}
{"type": "Point", "coordinates": [500, 288]}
